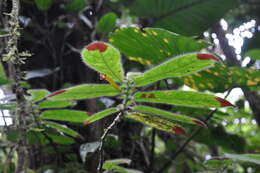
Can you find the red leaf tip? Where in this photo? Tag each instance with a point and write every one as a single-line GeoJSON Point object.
{"type": "Point", "coordinates": [179, 130]}
{"type": "Point", "coordinates": [205, 56]}
{"type": "Point", "coordinates": [97, 46]}
{"type": "Point", "coordinates": [56, 93]}
{"type": "Point", "coordinates": [223, 102]}
{"type": "Point", "coordinates": [200, 123]}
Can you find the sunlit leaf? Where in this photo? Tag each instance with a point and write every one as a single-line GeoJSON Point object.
{"type": "Point", "coordinates": [84, 91]}
{"type": "Point", "coordinates": [185, 98]}
{"type": "Point", "coordinates": [56, 104]}
{"type": "Point", "coordinates": [65, 115]}
{"type": "Point", "coordinates": [104, 58]}
{"type": "Point", "coordinates": [168, 115]}
{"type": "Point", "coordinates": [62, 128]}
{"type": "Point", "coordinates": [100, 115]}
{"type": "Point", "coordinates": [156, 122]}
{"type": "Point", "coordinates": [177, 66]}
{"type": "Point", "coordinates": [152, 45]}
{"type": "Point", "coordinates": [38, 94]}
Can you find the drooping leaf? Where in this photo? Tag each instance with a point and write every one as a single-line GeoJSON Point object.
{"type": "Point", "coordinates": [104, 58]}
{"type": "Point", "coordinates": [168, 115]}
{"type": "Point", "coordinates": [156, 122]}
{"type": "Point", "coordinates": [43, 4]}
{"type": "Point", "coordinates": [185, 98]}
{"type": "Point", "coordinates": [75, 5]}
{"type": "Point", "coordinates": [100, 115]}
{"type": "Point", "coordinates": [56, 104]}
{"type": "Point", "coordinates": [107, 23]}
{"type": "Point", "coordinates": [65, 115]}
{"type": "Point", "coordinates": [64, 140]}
{"type": "Point", "coordinates": [84, 91]}
{"type": "Point", "coordinates": [62, 128]}
{"type": "Point", "coordinates": [187, 17]}
{"type": "Point", "coordinates": [152, 45]}
{"type": "Point", "coordinates": [253, 54]}
{"type": "Point", "coordinates": [38, 94]}
{"type": "Point", "coordinates": [253, 158]}
{"type": "Point", "coordinates": [177, 66]}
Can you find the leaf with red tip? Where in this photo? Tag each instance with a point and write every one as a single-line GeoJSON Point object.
{"type": "Point", "coordinates": [100, 46]}
{"type": "Point", "coordinates": [100, 115]}
{"type": "Point", "coordinates": [156, 122]}
{"type": "Point", "coordinates": [56, 93]}
{"type": "Point", "coordinates": [184, 98]}
{"type": "Point", "coordinates": [205, 56]}
{"type": "Point", "coordinates": [179, 130]}
{"type": "Point", "coordinates": [223, 102]}
{"type": "Point", "coordinates": [175, 67]}
{"type": "Point", "coordinates": [168, 115]}
{"type": "Point", "coordinates": [105, 59]}
{"type": "Point", "coordinates": [84, 91]}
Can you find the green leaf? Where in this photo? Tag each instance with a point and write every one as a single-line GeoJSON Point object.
{"type": "Point", "coordinates": [107, 23]}
{"type": "Point", "coordinates": [100, 115]}
{"type": "Point", "coordinates": [65, 115]}
{"type": "Point", "coordinates": [168, 115]}
{"type": "Point", "coordinates": [113, 165]}
{"type": "Point", "coordinates": [104, 58]}
{"type": "Point", "coordinates": [4, 81]}
{"type": "Point", "coordinates": [218, 163]}
{"type": "Point", "coordinates": [62, 128]}
{"type": "Point", "coordinates": [75, 5]}
{"type": "Point", "coordinates": [64, 140]}
{"type": "Point", "coordinates": [56, 104]}
{"type": "Point", "coordinates": [152, 45]}
{"type": "Point", "coordinates": [253, 54]}
{"type": "Point", "coordinates": [8, 106]}
{"type": "Point", "coordinates": [43, 4]}
{"type": "Point", "coordinates": [156, 122]}
{"type": "Point", "coordinates": [187, 17]}
{"type": "Point", "coordinates": [185, 98]}
{"type": "Point", "coordinates": [253, 158]}
{"type": "Point", "coordinates": [177, 66]}
{"type": "Point", "coordinates": [38, 94]}
{"type": "Point", "coordinates": [84, 91]}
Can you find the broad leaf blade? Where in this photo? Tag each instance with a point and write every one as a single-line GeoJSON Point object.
{"type": "Point", "coordinates": [187, 17]}
{"type": "Point", "coordinates": [61, 128]}
{"type": "Point", "coordinates": [107, 23]}
{"type": "Point", "coordinates": [104, 58]}
{"type": "Point", "coordinates": [253, 158]}
{"type": "Point", "coordinates": [47, 104]}
{"type": "Point", "coordinates": [65, 115]}
{"type": "Point", "coordinates": [43, 4]}
{"type": "Point", "coordinates": [177, 66]}
{"type": "Point", "coordinates": [168, 115]}
{"type": "Point", "coordinates": [38, 94]}
{"type": "Point", "coordinates": [152, 45]}
{"type": "Point", "coordinates": [156, 122]}
{"type": "Point", "coordinates": [100, 115]}
{"type": "Point", "coordinates": [253, 54]}
{"type": "Point", "coordinates": [84, 91]}
{"type": "Point", "coordinates": [185, 98]}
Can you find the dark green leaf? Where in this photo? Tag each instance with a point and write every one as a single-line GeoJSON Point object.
{"type": "Point", "coordinates": [253, 54]}
{"type": "Point", "coordinates": [62, 128]}
{"type": "Point", "coordinates": [43, 4]}
{"type": "Point", "coordinates": [253, 158]}
{"type": "Point", "coordinates": [107, 23]}
{"type": "Point", "coordinates": [75, 5]}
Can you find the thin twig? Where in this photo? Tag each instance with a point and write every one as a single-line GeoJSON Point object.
{"type": "Point", "coordinates": [152, 151]}
{"type": "Point", "coordinates": [106, 131]}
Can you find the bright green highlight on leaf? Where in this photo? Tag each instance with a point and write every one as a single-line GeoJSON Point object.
{"type": "Point", "coordinates": [168, 115]}
{"type": "Point", "coordinates": [56, 104]}
{"type": "Point", "coordinates": [43, 4]}
{"type": "Point", "coordinates": [65, 115]}
{"type": "Point", "coordinates": [107, 23]}
{"type": "Point", "coordinates": [100, 115]}
{"type": "Point", "coordinates": [61, 128]}
{"type": "Point", "coordinates": [105, 59]}
{"type": "Point", "coordinates": [38, 94]}
{"type": "Point", "coordinates": [184, 98]}
{"type": "Point", "coordinates": [177, 66]}
{"type": "Point", "coordinates": [153, 121]}
{"type": "Point", "coordinates": [152, 45]}
{"type": "Point", "coordinates": [85, 91]}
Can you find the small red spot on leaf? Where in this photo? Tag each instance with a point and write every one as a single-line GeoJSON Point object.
{"type": "Point", "coordinates": [204, 56]}
{"type": "Point", "coordinates": [56, 93]}
{"type": "Point", "coordinates": [86, 122]}
{"type": "Point", "coordinates": [223, 102]}
{"type": "Point", "coordinates": [102, 76]}
{"type": "Point", "coordinates": [97, 46]}
{"type": "Point", "coordinates": [143, 96]}
{"type": "Point", "coordinates": [179, 130]}
{"type": "Point", "coordinates": [200, 123]}
{"type": "Point", "coordinates": [151, 96]}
